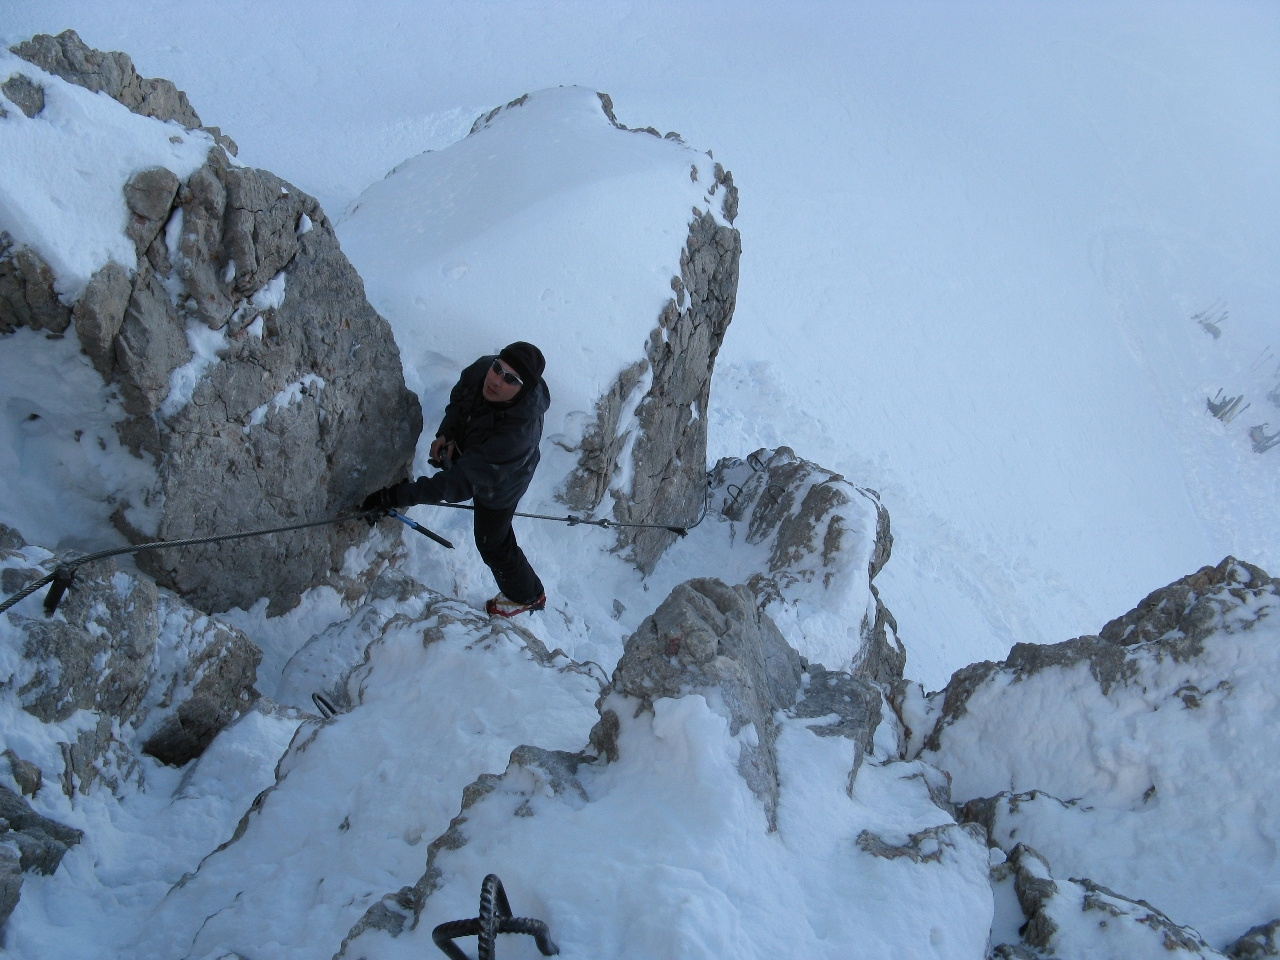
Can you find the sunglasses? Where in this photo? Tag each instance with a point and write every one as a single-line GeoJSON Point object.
{"type": "Point", "coordinates": [510, 378]}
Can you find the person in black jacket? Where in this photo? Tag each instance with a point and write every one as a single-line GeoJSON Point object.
{"type": "Point", "coordinates": [487, 445]}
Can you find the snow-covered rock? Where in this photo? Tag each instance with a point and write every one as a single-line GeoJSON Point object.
{"type": "Point", "coordinates": [1141, 759]}
{"type": "Point", "coordinates": [711, 816]}
{"type": "Point", "coordinates": [809, 544]}
{"type": "Point", "coordinates": [254, 374]}
{"type": "Point", "coordinates": [1080, 919]}
{"type": "Point", "coordinates": [68, 57]}
{"type": "Point", "coordinates": [136, 668]}
{"type": "Point", "coordinates": [710, 638]}
{"type": "Point", "coordinates": [28, 842]}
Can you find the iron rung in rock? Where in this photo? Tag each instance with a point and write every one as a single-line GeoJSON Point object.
{"type": "Point", "coordinates": [495, 918]}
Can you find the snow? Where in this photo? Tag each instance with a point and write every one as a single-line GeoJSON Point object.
{"type": "Point", "coordinates": [206, 347]}
{"type": "Point", "coordinates": [293, 393]}
{"type": "Point", "coordinates": [65, 469]}
{"type": "Point", "coordinates": [65, 171]}
{"type": "Point", "coordinates": [996, 261]}
{"type": "Point", "coordinates": [1004, 218]}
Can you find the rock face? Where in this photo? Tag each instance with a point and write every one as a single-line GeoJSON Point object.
{"type": "Point", "coordinates": [670, 444]}
{"type": "Point", "coordinates": [826, 540]}
{"type": "Point", "coordinates": [159, 676]}
{"type": "Point", "coordinates": [255, 373]}
{"type": "Point", "coordinates": [710, 638]}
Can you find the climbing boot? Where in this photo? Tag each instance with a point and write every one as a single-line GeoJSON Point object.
{"type": "Point", "coordinates": [500, 606]}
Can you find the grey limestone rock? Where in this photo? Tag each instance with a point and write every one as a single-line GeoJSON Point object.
{"type": "Point", "coordinates": [10, 884]}
{"type": "Point", "coordinates": [149, 346]}
{"type": "Point", "coordinates": [1190, 609]}
{"type": "Point", "coordinates": [29, 842]}
{"type": "Point", "coordinates": [149, 197]}
{"type": "Point", "coordinates": [807, 516]}
{"type": "Point", "coordinates": [68, 57]}
{"type": "Point", "coordinates": [925, 846]}
{"type": "Point", "coordinates": [27, 296]}
{"type": "Point", "coordinates": [854, 701]}
{"type": "Point", "coordinates": [304, 410]}
{"type": "Point", "coordinates": [26, 774]}
{"type": "Point", "coordinates": [296, 423]}
{"type": "Point", "coordinates": [669, 449]}
{"type": "Point", "coordinates": [1120, 923]}
{"type": "Point", "coordinates": [99, 314]}
{"type": "Point", "coordinates": [24, 93]}
{"type": "Point", "coordinates": [710, 637]}
{"type": "Point", "coordinates": [1035, 887]}
{"type": "Point", "coordinates": [101, 653]}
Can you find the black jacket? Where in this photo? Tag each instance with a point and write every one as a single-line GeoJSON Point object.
{"type": "Point", "coordinates": [497, 445]}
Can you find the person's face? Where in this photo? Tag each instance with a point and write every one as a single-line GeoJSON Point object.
{"type": "Point", "coordinates": [496, 388]}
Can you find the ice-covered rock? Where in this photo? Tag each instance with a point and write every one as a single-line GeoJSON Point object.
{"type": "Point", "coordinates": [255, 375]}
{"type": "Point", "coordinates": [1139, 759]}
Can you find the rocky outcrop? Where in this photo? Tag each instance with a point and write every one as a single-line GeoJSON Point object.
{"type": "Point", "coordinates": [710, 638]}
{"type": "Point", "coordinates": [825, 540]}
{"type": "Point", "coordinates": [1187, 611]}
{"type": "Point", "coordinates": [706, 637]}
{"type": "Point", "coordinates": [29, 842]}
{"type": "Point", "coordinates": [1259, 942]}
{"type": "Point", "coordinates": [1119, 754]}
{"type": "Point", "coordinates": [669, 447]}
{"type": "Point", "coordinates": [160, 677]}
{"type": "Point", "coordinates": [255, 374]}
{"type": "Point", "coordinates": [68, 57]}
{"type": "Point", "coordinates": [1172, 622]}
{"type": "Point", "coordinates": [705, 679]}
{"type": "Point", "coordinates": [27, 298]}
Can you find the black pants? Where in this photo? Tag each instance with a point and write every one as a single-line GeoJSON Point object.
{"type": "Point", "coordinates": [496, 542]}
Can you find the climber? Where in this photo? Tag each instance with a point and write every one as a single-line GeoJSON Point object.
{"type": "Point", "coordinates": [487, 447]}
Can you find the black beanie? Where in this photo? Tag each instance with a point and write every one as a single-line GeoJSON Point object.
{"type": "Point", "coordinates": [526, 360]}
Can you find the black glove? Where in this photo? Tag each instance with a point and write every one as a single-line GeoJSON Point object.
{"type": "Point", "coordinates": [384, 499]}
